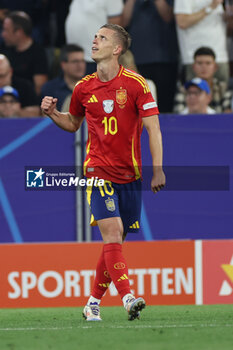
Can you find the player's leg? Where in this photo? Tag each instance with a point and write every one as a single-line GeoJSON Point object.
{"type": "Point", "coordinates": [102, 281]}
{"type": "Point", "coordinates": [130, 211]}
{"type": "Point", "coordinates": [100, 203]}
{"type": "Point", "coordinates": [112, 233]}
{"type": "Point", "coordinates": [111, 228]}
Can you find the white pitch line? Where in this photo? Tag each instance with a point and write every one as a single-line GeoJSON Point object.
{"type": "Point", "coordinates": [207, 325]}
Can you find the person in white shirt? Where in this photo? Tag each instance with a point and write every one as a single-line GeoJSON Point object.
{"type": "Point", "coordinates": [85, 17]}
{"type": "Point", "coordinates": [198, 97]}
{"type": "Point", "coordinates": [201, 23]}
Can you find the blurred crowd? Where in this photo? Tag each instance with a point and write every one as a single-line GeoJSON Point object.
{"type": "Point", "coordinates": [184, 49]}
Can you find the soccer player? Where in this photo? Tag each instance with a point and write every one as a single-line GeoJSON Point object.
{"type": "Point", "coordinates": [116, 103]}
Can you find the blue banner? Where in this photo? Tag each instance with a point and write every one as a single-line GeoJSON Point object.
{"type": "Point", "coordinates": [190, 142]}
{"type": "Point", "coordinates": [198, 145]}
{"type": "Point", "coordinates": [27, 216]}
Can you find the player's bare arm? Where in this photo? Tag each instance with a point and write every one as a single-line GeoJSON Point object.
{"type": "Point", "coordinates": [65, 121]}
{"type": "Point", "coordinates": [156, 148]}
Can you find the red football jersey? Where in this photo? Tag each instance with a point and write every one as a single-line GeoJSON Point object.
{"type": "Point", "coordinates": [113, 113]}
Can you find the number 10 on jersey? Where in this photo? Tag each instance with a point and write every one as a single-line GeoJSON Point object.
{"type": "Point", "coordinates": [110, 125]}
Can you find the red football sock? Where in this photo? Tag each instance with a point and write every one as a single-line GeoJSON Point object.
{"type": "Point", "coordinates": [117, 267]}
{"type": "Point", "coordinates": [102, 279]}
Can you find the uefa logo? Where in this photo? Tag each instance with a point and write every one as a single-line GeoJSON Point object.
{"type": "Point", "coordinates": [35, 178]}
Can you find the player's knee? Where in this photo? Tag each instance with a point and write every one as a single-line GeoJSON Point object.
{"type": "Point", "coordinates": [111, 230]}
{"type": "Point", "coordinates": [112, 237]}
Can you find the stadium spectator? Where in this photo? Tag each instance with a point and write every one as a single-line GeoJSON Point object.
{"type": "Point", "coordinates": [154, 45]}
{"type": "Point", "coordinates": [198, 97]}
{"type": "Point", "coordinates": [9, 102]}
{"type": "Point", "coordinates": [27, 95]}
{"type": "Point", "coordinates": [36, 9]}
{"type": "Point", "coordinates": [127, 61]}
{"type": "Point", "coordinates": [115, 103]}
{"type": "Point", "coordinates": [73, 69]}
{"type": "Point", "coordinates": [27, 58]}
{"type": "Point", "coordinates": [204, 67]}
{"type": "Point", "coordinates": [229, 22]}
{"type": "Point", "coordinates": [201, 23]}
{"type": "Point", "coordinates": [84, 19]}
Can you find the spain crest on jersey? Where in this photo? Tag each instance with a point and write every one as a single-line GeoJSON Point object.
{"type": "Point", "coordinates": [121, 96]}
{"type": "Point", "coordinates": [110, 204]}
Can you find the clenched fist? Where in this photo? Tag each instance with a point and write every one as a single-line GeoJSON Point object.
{"type": "Point", "coordinates": [48, 104]}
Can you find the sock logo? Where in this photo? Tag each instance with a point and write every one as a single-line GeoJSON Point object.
{"type": "Point", "coordinates": [105, 285]}
{"type": "Point", "coordinates": [119, 266]}
{"type": "Point", "coordinates": [122, 278]}
{"type": "Point", "coordinates": [106, 274]}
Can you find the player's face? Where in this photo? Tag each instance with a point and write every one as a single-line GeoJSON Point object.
{"type": "Point", "coordinates": [204, 66]}
{"type": "Point", "coordinates": [75, 66]}
{"type": "Point", "coordinates": [197, 100]}
{"type": "Point", "coordinates": [9, 33]}
{"type": "Point", "coordinates": [104, 45]}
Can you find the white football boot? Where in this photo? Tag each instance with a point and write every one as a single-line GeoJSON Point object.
{"type": "Point", "coordinates": [134, 306]}
{"type": "Point", "coordinates": [91, 312]}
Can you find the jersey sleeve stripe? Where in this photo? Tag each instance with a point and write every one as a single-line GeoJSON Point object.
{"type": "Point", "coordinates": [136, 169]}
{"type": "Point", "coordinates": [121, 70]}
{"type": "Point", "coordinates": [88, 145]}
{"type": "Point", "coordinates": [86, 78]}
{"type": "Point", "coordinates": [134, 74]}
{"type": "Point", "coordinates": [79, 82]}
{"type": "Point", "coordinates": [145, 86]}
{"type": "Point", "coordinates": [85, 166]}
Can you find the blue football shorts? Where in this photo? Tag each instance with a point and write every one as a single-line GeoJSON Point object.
{"type": "Point", "coordinates": [112, 200]}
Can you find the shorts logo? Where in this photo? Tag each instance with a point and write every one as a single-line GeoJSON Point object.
{"type": "Point", "coordinates": [110, 204]}
{"type": "Point", "coordinates": [121, 97]}
{"type": "Point", "coordinates": [119, 266]}
{"type": "Point", "coordinates": [108, 106]}
{"type": "Point", "coordinates": [106, 274]}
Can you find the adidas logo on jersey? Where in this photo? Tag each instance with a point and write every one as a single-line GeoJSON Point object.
{"type": "Point", "coordinates": [92, 99]}
{"type": "Point", "coordinates": [135, 225]}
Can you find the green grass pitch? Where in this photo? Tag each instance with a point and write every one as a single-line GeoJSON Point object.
{"type": "Point", "coordinates": [160, 328]}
